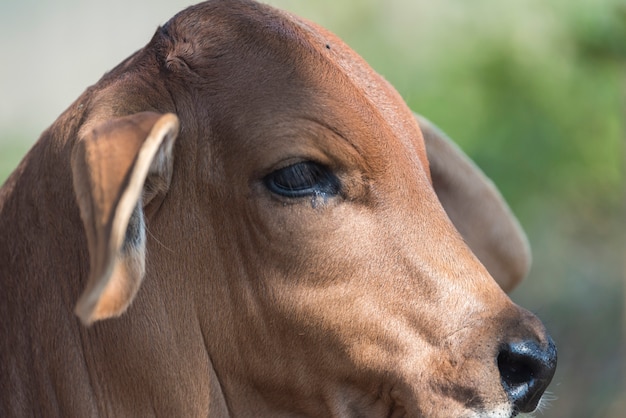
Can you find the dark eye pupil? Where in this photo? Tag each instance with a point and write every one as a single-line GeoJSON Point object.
{"type": "Point", "coordinates": [302, 179]}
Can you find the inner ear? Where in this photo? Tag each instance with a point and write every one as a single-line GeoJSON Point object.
{"type": "Point", "coordinates": [477, 209]}
{"type": "Point", "coordinates": [117, 167]}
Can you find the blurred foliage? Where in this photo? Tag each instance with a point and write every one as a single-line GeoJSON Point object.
{"type": "Point", "coordinates": [535, 92]}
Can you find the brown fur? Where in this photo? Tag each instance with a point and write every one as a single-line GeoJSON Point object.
{"type": "Point", "coordinates": [368, 303]}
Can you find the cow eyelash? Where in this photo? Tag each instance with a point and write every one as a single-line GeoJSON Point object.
{"type": "Point", "coordinates": [302, 179]}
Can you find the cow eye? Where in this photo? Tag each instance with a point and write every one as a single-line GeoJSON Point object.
{"type": "Point", "coordinates": [302, 179]}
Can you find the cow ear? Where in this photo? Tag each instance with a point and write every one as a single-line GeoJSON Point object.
{"type": "Point", "coordinates": [116, 167]}
{"type": "Point", "coordinates": [476, 209]}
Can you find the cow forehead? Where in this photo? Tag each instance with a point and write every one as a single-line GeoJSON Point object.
{"type": "Point", "coordinates": [298, 63]}
{"type": "Point", "coordinates": [376, 97]}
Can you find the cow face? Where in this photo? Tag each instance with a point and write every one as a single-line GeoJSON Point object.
{"type": "Point", "coordinates": [296, 214]}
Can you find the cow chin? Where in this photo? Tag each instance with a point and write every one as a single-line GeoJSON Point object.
{"type": "Point", "coordinates": [348, 402]}
{"type": "Point", "coordinates": [453, 401]}
{"type": "Point", "coordinates": [503, 411]}
{"type": "Point", "coordinates": [445, 407]}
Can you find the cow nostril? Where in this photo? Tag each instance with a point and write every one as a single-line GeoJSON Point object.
{"type": "Point", "coordinates": [514, 372]}
{"type": "Point", "coordinates": [526, 369]}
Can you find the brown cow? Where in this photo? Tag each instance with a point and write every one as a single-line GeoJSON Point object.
{"type": "Point", "coordinates": [243, 217]}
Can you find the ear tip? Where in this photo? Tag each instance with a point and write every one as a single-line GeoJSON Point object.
{"type": "Point", "coordinates": [523, 250]}
{"type": "Point", "coordinates": [518, 266]}
{"type": "Point", "coordinates": [90, 312]}
{"type": "Point", "coordinates": [85, 312]}
{"type": "Point", "coordinates": [170, 117]}
{"type": "Point", "coordinates": [166, 127]}
{"type": "Point", "coordinates": [171, 122]}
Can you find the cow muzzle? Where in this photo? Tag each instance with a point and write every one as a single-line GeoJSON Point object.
{"type": "Point", "coordinates": [526, 369]}
{"type": "Point", "coordinates": [497, 367]}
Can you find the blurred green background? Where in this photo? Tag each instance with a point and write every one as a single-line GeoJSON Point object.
{"type": "Point", "coordinates": [533, 90]}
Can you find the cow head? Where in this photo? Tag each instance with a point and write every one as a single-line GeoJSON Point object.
{"type": "Point", "coordinates": [326, 251]}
